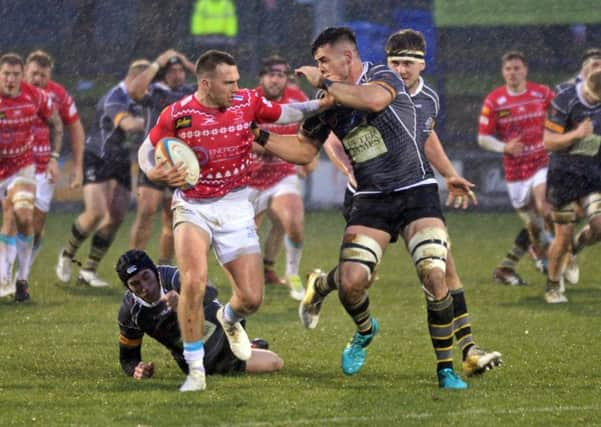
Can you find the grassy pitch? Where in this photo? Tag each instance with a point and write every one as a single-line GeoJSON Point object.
{"type": "Point", "coordinates": [59, 358]}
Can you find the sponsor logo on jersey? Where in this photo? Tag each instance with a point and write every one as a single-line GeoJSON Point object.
{"type": "Point", "coordinates": [183, 122]}
{"type": "Point", "coordinates": [504, 113]}
{"type": "Point", "coordinates": [2, 115]}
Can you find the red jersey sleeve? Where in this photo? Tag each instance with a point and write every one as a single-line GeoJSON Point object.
{"type": "Point", "coordinates": [163, 126]}
{"type": "Point", "coordinates": [45, 105]}
{"type": "Point", "coordinates": [487, 118]}
{"type": "Point", "coordinates": [67, 109]}
{"type": "Point", "coordinates": [265, 110]}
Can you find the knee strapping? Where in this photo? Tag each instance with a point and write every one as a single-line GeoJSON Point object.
{"type": "Point", "coordinates": [592, 205]}
{"type": "Point", "coordinates": [565, 214]}
{"type": "Point", "coordinates": [428, 249]}
{"type": "Point", "coordinates": [363, 250]}
{"type": "Point", "coordinates": [23, 200]}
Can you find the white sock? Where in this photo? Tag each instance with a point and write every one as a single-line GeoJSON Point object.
{"type": "Point", "coordinates": [8, 252]}
{"type": "Point", "coordinates": [194, 353]}
{"type": "Point", "coordinates": [24, 250]}
{"type": "Point", "coordinates": [294, 252]}
{"type": "Point", "coordinates": [34, 253]}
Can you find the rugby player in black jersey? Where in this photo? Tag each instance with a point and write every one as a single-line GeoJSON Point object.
{"type": "Point", "coordinates": [573, 136]}
{"type": "Point", "coordinates": [396, 194]}
{"type": "Point", "coordinates": [150, 307]}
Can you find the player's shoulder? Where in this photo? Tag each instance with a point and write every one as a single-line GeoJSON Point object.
{"type": "Point", "coordinates": [56, 88]}
{"type": "Point", "coordinates": [31, 91]}
{"type": "Point", "coordinates": [117, 94]}
{"type": "Point", "coordinates": [538, 90]}
{"type": "Point", "coordinates": [293, 94]}
{"type": "Point", "coordinates": [497, 96]}
{"type": "Point", "coordinates": [169, 277]}
{"type": "Point", "coordinates": [429, 92]}
{"type": "Point", "coordinates": [567, 97]}
{"type": "Point", "coordinates": [127, 304]}
{"type": "Point", "coordinates": [379, 72]}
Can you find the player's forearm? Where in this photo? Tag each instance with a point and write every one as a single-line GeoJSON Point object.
{"type": "Point", "coordinates": [292, 148]}
{"type": "Point", "coordinates": [438, 157]}
{"type": "Point", "coordinates": [146, 156]}
{"type": "Point", "coordinates": [372, 98]}
{"type": "Point", "coordinates": [335, 152]}
{"type": "Point", "coordinates": [77, 137]}
{"type": "Point", "coordinates": [131, 124]}
{"type": "Point", "coordinates": [559, 141]}
{"type": "Point", "coordinates": [137, 87]}
{"type": "Point", "coordinates": [129, 357]}
{"type": "Point", "coordinates": [298, 111]}
{"type": "Point", "coordinates": [490, 143]}
{"type": "Point", "coordinates": [55, 126]}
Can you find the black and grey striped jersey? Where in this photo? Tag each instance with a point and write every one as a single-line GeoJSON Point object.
{"type": "Point", "coordinates": [384, 147]}
{"type": "Point", "coordinates": [137, 317]}
{"type": "Point", "coordinates": [427, 106]}
{"type": "Point", "coordinates": [106, 138]}
{"type": "Point", "coordinates": [566, 111]}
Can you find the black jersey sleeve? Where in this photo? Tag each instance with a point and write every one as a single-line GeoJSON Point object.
{"type": "Point", "coordinates": [558, 112]}
{"type": "Point", "coordinates": [130, 337]}
{"type": "Point", "coordinates": [388, 79]}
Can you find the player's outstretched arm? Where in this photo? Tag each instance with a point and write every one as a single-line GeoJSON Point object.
{"type": "Point", "coordinates": [297, 149]}
{"type": "Point", "coordinates": [558, 141]}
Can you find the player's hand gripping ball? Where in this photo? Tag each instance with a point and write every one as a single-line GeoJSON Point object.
{"type": "Point", "coordinates": [174, 150]}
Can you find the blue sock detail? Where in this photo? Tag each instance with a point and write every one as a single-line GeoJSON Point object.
{"type": "Point", "coordinates": [193, 346]}
{"type": "Point", "coordinates": [230, 315]}
{"type": "Point", "coordinates": [25, 239]}
{"type": "Point", "coordinates": [8, 240]}
{"type": "Point", "coordinates": [294, 244]}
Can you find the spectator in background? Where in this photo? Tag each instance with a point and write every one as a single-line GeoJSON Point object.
{"type": "Point", "coordinates": [214, 23]}
{"type": "Point", "coordinates": [161, 84]}
{"type": "Point", "coordinates": [511, 123]}
{"type": "Point", "coordinates": [107, 179]}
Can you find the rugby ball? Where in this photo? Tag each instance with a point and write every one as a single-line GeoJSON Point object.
{"type": "Point", "coordinates": [174, 151]}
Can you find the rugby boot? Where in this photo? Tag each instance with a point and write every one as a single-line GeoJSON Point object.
{"type": "Point", "coordinates": [64, 267]}
{"type": "Point", "coordinates": [236, 336]}
{"type": "Point", "coordinates": [353, 356]}
{"type": "Point", "coordinates": [310, 306]}
{"type": "Point", "coordinates": [22, 291]}
{"type": "Point", "coordinates": [449, 380]}
{"type": "Point", "coordinates": [508, 276]}
{"type": "Point", "coordinates": [479, 361]}
{"type": "Point", "coordinates": [195, 381]}
{"type": "Point", "coordinates": [90, 278]}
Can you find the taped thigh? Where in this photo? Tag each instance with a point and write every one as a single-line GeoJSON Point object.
{"type": "Point", "coordinates": [530, 217]}
{"type": "Point", "coordinates": [592, 205]}
{"type": "Point", "coordinates": [23, 200]}
{"type": "Point", "coordinates": [363, 250]}
{"type": "Point", "coordinates": [565, 214]}
{"type": "Point", "coordinates": [428, 249]}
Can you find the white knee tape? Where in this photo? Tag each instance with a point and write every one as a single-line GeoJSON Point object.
{"type": "Point", "coordinates": [23, 200]}
{"type": "Point", "coordinates": [428, 249]}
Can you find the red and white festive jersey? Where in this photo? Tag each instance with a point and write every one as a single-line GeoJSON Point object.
{"type": "Point", "coordinates": [41, 134]}
{"type": "Point", "coordinates": [221, 138]}
{"type": "Point", "coordinates": [507, 116]}
{"type": "Point", "coordinates": [17, 116]}
{"type": "Point", "coordinates": [268, 169]}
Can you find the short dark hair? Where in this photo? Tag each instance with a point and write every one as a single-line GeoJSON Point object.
{"type": "Point", "coordinates": [41, 58]}
{"type": "Point", "coordinates": [514, 54]}
{"type": "Point", "coordinates": [592, 53]}
{"type": "Point", "coordinates": [208, 61]}
{"type": "Point", "coordinates": [11, 58]}
{"type": "Point", "coordinates": [332, 35]}
{"type": "Point", "coordinates": [404, 40]}
{"type": "Point", "coordinates": [269, 62]}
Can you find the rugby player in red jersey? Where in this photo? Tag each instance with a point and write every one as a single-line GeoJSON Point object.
{"type": "Point", "coordinates": [276, 186]}
{"type": "Point", "coordinates": [216, 123]}
{"type": "Point", "coordinates": [511, 123]}
{"type": "Point", "coordinates": [20, 106]}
